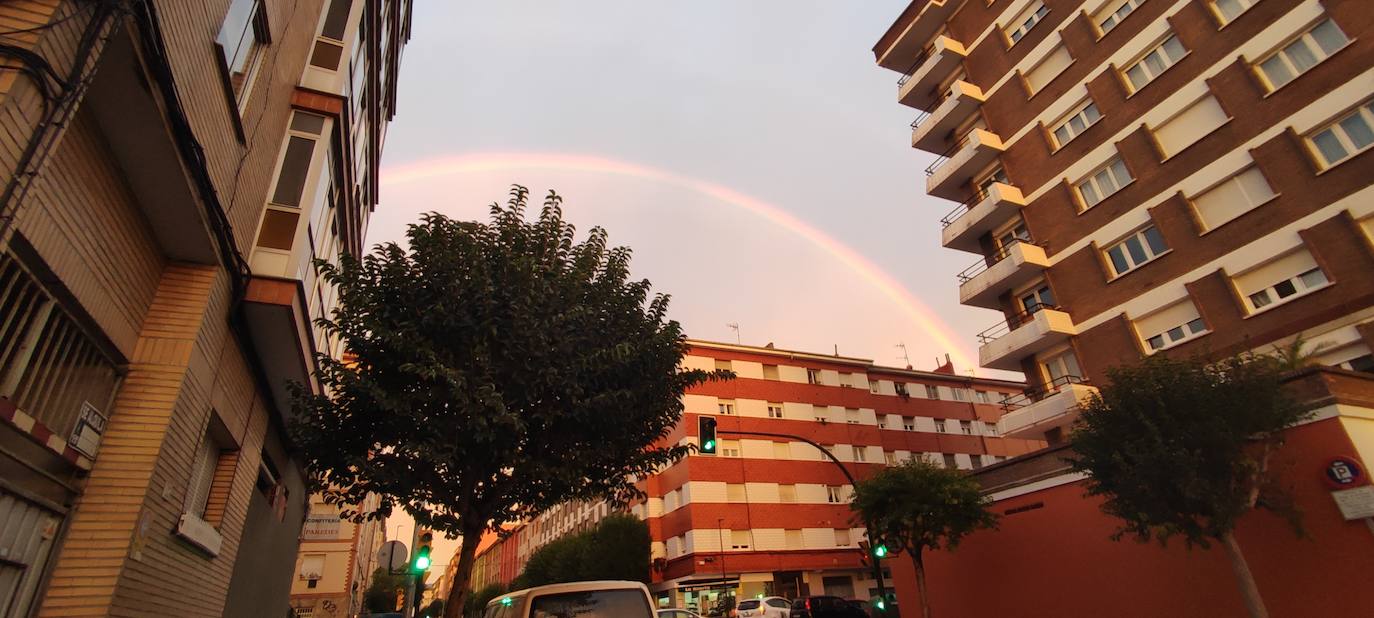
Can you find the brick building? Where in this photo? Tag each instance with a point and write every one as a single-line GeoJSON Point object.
{"type": "Point", "coordinates": [1140, 177]}
{"type": "Point", "coordinates": [336, 561]}
{"type": "Point", "coordinates": [1147, 175]}
{"type": "Point", "coordinates": [153, 152]}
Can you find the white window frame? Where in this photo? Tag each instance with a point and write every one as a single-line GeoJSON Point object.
{"type": "Point", "coordinates": [1254, 201]}
{"type": "Point", "coordinates": [1243, 5]}
{"type": "Point", "coordinates": [813, 376]}
{"type": "Point", "coordinates": [1114, 18]}
{"type": "Point", "coordinates": [1151, 75]}
{"type": "Point", "coordinates": [1092, 180]}
{"type": "Point", "coordinates": [860, 454]}
{"type": "Point", "coordinates": [966, 427]}
{"type": "Point", "coordinates": [1365, 111]}
{"type": "Point", "coordinates": [775, 410]}
{"type": "Point", "coordinates": [1081, 113]}
{"type": "Point", "coordinates": [1284, 57]}
{"type": "Point", "coordinates": [982, 396]}
{"type": "Point", "coordinates": [1142, 239]}
{"type": "Point", "coordinates": [908, 424]}
{"type": "Point", "coordinates": [874, 387]}
{"type": "Point", "coordinates": [1191, 329]}
{"type": "Point", "coordinates": [253, 41]}
{"type": "Point", "coordinates": [726, 408]}
{"type": "Point", "coordinates": [728, 451]}
{"type": "Point", "coordinates": [834, 494]}
{"type": "Point", "coordinates": [1301, 287]}
{"type": "Point", "coordinates": [1026, 21]}
{"type": "Point", "coordinates": [940, 425]}
{"type": "Point", "coordinates": [990, 428]}
{"type": "Point", "coordinates": [932, 392]}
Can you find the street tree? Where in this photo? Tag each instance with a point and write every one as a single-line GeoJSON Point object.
{"type": "Point", "coordinates": [617, 548]}
{"type": "Point", "coordinates": [495, 369]}
{"type": "Point", "coordinates": [920, 506]}
{"type": "Point", "coordinates": [1182, 448]}
{"type": "Point", "coordinates": [381, 593]}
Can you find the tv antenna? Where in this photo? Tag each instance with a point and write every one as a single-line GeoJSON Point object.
{"type": "Point", "coordinates": [735, 327]}
{"type": "Point", "coordinates": [905, 356]}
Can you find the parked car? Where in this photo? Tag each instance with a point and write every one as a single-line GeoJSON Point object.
{"type": "Point", "coordinates": [825, 607]}
{"type": "Point", "coordinates": [593, 599]}
{"type": "Point", "coordinates": [677, 613]}
{"type": "Point", "coordinates": [766, 607]}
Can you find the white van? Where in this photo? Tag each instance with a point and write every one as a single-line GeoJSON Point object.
{"type": "Point", "coordinates": [596, 599]}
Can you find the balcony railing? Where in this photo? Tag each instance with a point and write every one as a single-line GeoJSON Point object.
{"type": "Point", "coordinates": [1003, 327]}
{"type": "Point", "coordinates": [915, 65]}
{"type": "Point", "coordinates": [963, 208]}
{"type": "Point", "coordinates": [945, 156]}
{"type": "Point", "coordinates": [990, 261]}
{"type": "Point", "coordinates": [1032, 395]}
{"type": "Point", "coordinates": [920, 118]}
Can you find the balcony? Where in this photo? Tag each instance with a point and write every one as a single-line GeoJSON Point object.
{"type": "Point", "coordinates": [904, 39]}
{"type": "Point", "coordinates": [917, 87]}
{"type": "Point", "coordinates": [1014, 265]}
{"type": "Point", "coordinates": [949, 174]}
{"type": "Point", "coordinates": [274, 312]}
{"type": "Point", "coordinates": [954, 107]}
{"type": "Point", "coordinates": [1037, 411]}
{"type": "Point", "coordinates": [979, 215]}
{"type": "Point", "coordinates": [1024, 334]}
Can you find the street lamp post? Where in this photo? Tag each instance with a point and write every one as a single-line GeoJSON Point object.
{"type": "Point", "coordinates": [720, 536]}
{"type": "Point", "coordinates": [868, 527]}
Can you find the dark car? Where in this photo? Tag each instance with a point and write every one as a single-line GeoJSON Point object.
{"type": "Point", "coordinates": [825, 607]}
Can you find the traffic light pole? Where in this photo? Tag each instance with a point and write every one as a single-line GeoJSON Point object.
{"type": "Point", "coordinates": [868, 528]}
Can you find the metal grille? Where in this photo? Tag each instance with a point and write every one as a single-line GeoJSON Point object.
{"type": "Point", "coordinates": [26, 536]}
{"type": "Point", "coordinates": [48, 367]}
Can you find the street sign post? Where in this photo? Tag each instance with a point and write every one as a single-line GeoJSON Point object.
{"type": "Point", "coordinates": [394, 556]}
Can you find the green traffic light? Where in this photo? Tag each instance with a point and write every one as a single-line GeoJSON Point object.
{"type": "Point", "coordinates": [880, 604]}
{"type": "Point", "coordinates": [422, 563]}
{"type": "Point", "coordinates": [709, 446]}
{"type": "Point", "coordinates": [880, 551]}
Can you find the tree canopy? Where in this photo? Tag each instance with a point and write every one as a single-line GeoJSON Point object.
{"type": "Point", "coordinates": [495, 369]}
{"type": "Point", "coordinates": [617, 548]}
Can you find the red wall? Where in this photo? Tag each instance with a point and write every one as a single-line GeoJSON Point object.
{"type": "Point", "coordinates": [1059, 561]}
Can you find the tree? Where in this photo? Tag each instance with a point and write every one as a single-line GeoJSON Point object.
{"type": "Point", "coordinates": [919, 506]}
{"type": "Point", "coordinates": [1182, 447]}
{"type": "Point", "coordinates": [496, 370]}
{"type": "Point", "coordinates": [381, 593]}
{"type": "Point", "coordinates": [477, 600]}
{"type": "Point", "coordinates": [435, 609]}
{"type": "Point", "coordinates": [617, 548]}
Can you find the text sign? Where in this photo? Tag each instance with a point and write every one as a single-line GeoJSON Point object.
{"type": "Point", "coordinates": [90, 426]}
{"type": "Point", "coordinates": [1357, 503]}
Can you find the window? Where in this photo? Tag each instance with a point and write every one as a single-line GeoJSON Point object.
{"type": "Point", "coordinates": [873, 387]}
{"type": "Point", "coordinates": [1061, 367]}
{"type": "Point", "coordinates": [851, 416]}
{"type": "Point", "coordinates": [1171, 325]}
{"type": "Point", "coordinates": [960, 394]}
{"type": "Point", "coordinates": [901, 389]}
{"type": "Point", "coordinates": [1106, 20]}
{"type": "Point", "coordinates": [774, 410]}
{"type": "Point", "coordinates": [787, 493]}
{"type": "Point", "coordinates": [739, 539]}
{"type": "Point", "coordinates": [1303, 53]}
{"type": "Point", "coordinates": [813, 376]}
{"type": "Point", "coordinates": [1232, 198]}
{"type": "Point", "coordinates": [1046, 70]}
{"type": "Point", "coordinates": [734, 492]}
{"type": "Point", "coordinates": [940, 425]}
{"type": "Point", "coordinates": [908, 423]}
{"type": "Point", "coordinates": [1229, 10]}
{"type": "Point", "coordinates": [834, 494]}
{"type": "Point", "coordinates": [305, 612]}
{"type": "Point", "coordinates": [841, 537]}
{"type": "Point", "coordinates": [882, 424]}
{"type": "Point", "coordinates": [329, 47]}
{"type": "Point", "coordinates": [820, 413]}
{"type": "Point", "coordinates": [861, 454]}
{"type": "Point", "coordinates": [792, 539]}
{"type": "Point", "coordinates": [729, 448]}
{"type": "Point", "coordinates": [1284, 289]}
{"type": "Point", "coordinates": [966, 427]}
{"type": "Point", "coordinates": [1135, 250]}
{"type": "Point", "coordinates": [242, 37]}
{"type": "Point", "coordinates": [312, 566]}
{"type": "Point", "coordinates": [1025, 21]}
{"type": "Point", "coordinates": [770, 372]}
{"type": "Point", "coordinates": [202, 479]}
{"type": "Point", "coordinates": [1075, 124]}
{"type": "Point", "coordinates": [782, 450]}
{"type": "Point", "coordinates": [846, 380]}
{"type": "Point", "coordinates": [723, 365]}
{"type": "Point", "coordinates": [990, 428]}
{"type": "Point", "coordinates": [950, 461]}
{"type": "Point", "coordinates": [981, 396]}
{"type": "Point", "coordinates": [932, 392]}
{"type": "Point", "coordinates": [985, 183]}
{"type": "Point", "coordinates": [1344, 138]}
{"type": "Point", "coordinates": [976, 460]}
{"type": "Point", "coordinates": [1102, 183]}
{"type": "Point", "coordinates": [1192, 124]}
{"type": "Point", "coordinates": [1154, 63]}
{"type": "Point", "coordinates": [1036, 299]}
{"type": "Point", "coordinates": [890, 458]}
{"type": "Point", "coordinates": [1360, 363]}
{"type": "Point", "coordinates": [726, 407]}
{"type": "Point", "coordinates": [1017, 232]}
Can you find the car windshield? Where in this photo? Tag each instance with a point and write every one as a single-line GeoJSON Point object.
{"type": "Point", "coordinates": [592, 604]}
{"type": "Point", "coordinates": [504, 607]}
{"type": "Point", "coordinates": [748, 604]}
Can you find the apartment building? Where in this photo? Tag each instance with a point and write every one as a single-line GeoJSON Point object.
{"type": "Point", "coordinates": [144, 363]}
{"type": "Point", "coordinates": [769, 515]}
{"type": "Point", "coordinates": [1138, 176]}
{"type": "Point", "coordinates": [336, 561]}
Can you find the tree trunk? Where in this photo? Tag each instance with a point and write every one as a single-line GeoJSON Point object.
{"type": "Point", "coordinates": [1248, 590]}
{"type": "Point", "coordinates": [458, 589]}
{"type": "Point", "coordinates": [921, 582]}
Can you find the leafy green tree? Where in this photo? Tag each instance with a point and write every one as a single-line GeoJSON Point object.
{"type": "Point", "coordinates": [617, 548]}
{"type": "Point", "coordinates": [1182, 448]}
{"type": "Point", "coordinates": [435, 609]}
{"type": "Point", "coordinates": [920, 506]}
{"type": "Point", "coordinates": [381, 593]}
{"type": "Point", "coordinates": [497, 369]}
{"type": "Point", "coordinates": [477, 600]}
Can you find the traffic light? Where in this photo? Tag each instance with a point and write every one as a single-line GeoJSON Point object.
{"type": "Point", "coordinates": [422, 549]}
{"type": "Point", "coordinates": [880, 551]}
{"type": "Point", "coordinates": [706, 429]}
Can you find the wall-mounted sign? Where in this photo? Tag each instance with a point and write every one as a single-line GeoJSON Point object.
{"type": "Point", "coordinates": [1356, 503]}
{"type": "Point", "coordinates": [90, 426]}
{"type": "Point", "coordinates": [1344, 472]}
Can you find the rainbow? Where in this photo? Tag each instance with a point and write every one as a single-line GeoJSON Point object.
{"type": "Point", "coordinates": [911, 306]}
